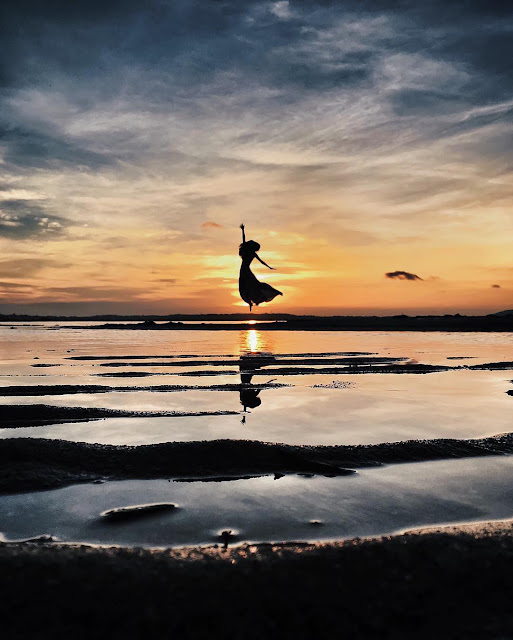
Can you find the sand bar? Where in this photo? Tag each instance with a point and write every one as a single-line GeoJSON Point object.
{"type": "Point", "coordinates": [453, 582]}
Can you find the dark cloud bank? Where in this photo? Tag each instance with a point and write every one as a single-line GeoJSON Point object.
{"type": "Point", "coordinates": [87, 49]}
{"type": "Point", "coordinates": [402, 275]}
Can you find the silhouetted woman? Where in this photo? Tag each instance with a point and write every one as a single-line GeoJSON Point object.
{"type": "Point", "coordinates": [252, 290]}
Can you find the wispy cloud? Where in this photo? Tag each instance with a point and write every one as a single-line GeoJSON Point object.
{"type": "Point", "coordinates": [25, 267]}
{"type": "Point", "coordinates": [211, 225]}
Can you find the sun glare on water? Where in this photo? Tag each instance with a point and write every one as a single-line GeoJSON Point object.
{"type": "Point", "coordinates": [253, 340]}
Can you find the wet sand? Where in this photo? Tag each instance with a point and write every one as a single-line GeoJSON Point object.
{"type": "Point", "coordinates": [453, 582]}
{"type": "Point", "coordinates": [28, 464]}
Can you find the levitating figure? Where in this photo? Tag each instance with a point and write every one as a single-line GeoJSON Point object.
{"type": "Point", "coordinates": [252, 290]}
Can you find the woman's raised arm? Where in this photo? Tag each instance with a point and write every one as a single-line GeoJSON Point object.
{"type": "Point", "coordinates": [265, 263]}
{"type": "Point", "coordinates": [243, 234]}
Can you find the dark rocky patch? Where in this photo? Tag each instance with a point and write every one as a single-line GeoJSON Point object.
{"type": "Point", "coordinates": [28, 464]}
{"type": "Point", "coordinates": [492, 366]}
{"type": "Point", "coordinates": [44, 365]}
{"type": "Point", "coordinates": [206, 372]}
{"type": "Point", "coordinates": [70, 389]}
{"type": "Point", "coordinates": [185, 356]}
{"type": "Point", "coordinates": [140, 357]}
{"type": "Point", "coordinates": [351, 362]}
{"type": "Point", "coordinates": [52, 390]}
{"type": "Point", "coordinates": [33, 415]}
{"type": "Point", "coordinates": [136, 512]}
{"type": "Point", "coordinates": [355, 369]}
{"type": "Point", "coordinates": [127, 374]}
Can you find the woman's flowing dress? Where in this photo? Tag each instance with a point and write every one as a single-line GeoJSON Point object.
{"type": "Point", "coordinates": [251, 289]}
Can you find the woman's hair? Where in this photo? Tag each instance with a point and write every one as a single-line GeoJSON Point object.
{"type": "Point", "coordinates": [248, 248]}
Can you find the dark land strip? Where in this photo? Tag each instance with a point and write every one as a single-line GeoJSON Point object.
{"type": "Point", "coordinates": [360, 368]}
{"type": "Point", "coordinates": [231, 356]}
{"type": "Point", "coordinates": [377, 365]}
{"type": "Point", "coordinates": [299, 371]}
{"type": "Point", "coordinates": [295, 371]}
{"type": "Point", "coordinates": [28, 464]}
{"type": "Point", "coordinates": [333, 323]}
{"type": "Point", "coordinates": [43, 365]}
{"type": "Point", "coordinates": [36, 415]}
{"type": "Point", "coordinates": [70, 389]}
{"type": "Point", "coordinates": [447, 583]}
{"type": "Point", "coordinates": [354, 361]}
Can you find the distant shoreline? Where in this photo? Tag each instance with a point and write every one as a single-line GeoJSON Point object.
{"type": "Point", "coordinates": [226, 317]}
{"type": "Point", "coordinates": [282, 322]}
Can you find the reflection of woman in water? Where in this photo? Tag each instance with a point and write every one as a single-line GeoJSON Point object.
{"type": "Point", "coordinates": [252, 290]}
{"type": "Point", "coordinates": [248, 392]}
{"type": "Point", "coordinates": [249, 398]}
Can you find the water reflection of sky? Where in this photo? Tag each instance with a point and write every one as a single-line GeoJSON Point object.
{"type": "Point", "coordinates": [376, 409]}
{"type": "Point", "coordinates": [373, 501]}
{"type": "Point", "coordinates": [373, 408]}
{"type": "Point", "coordinates": [358, 409]}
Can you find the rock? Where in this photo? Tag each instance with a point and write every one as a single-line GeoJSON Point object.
{"type": "Point", "coordinates": [137, 511]}
{"type": "Point", "coordinates": [40, 539]}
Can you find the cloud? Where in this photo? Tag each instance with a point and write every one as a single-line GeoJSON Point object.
{"type": "Point", "coordinates": [22, 219]}
{"type": "Point", "coordinates": [402, 275]}
{"type": "Point", "coordinates": [14, 285]}
{"type": "Point", "coordinates": [24, 267]}
{"type": "Point", "coordinates": [97, 293]}
{"type": "Point", "coordinates": [281, 9]}
{"type": "Point", "coordinates": [211, 225]}
{"type": "Point", "coordinates": [31, 149]}
{"type": "Point", "coordinates": [496, 286]}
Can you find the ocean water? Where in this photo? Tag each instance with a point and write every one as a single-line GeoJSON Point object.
{"type": "Point", "coordinates": [279, 387]}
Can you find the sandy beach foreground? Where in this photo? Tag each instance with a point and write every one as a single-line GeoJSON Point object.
{"type": "Point", "coordinates": [453, 582]}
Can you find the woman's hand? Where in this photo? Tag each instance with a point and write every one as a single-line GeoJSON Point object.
{"type": "Point", "coordinates": [242, 226]}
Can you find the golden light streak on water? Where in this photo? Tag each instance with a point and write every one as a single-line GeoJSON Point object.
{"type": "Point", "coordinates": [253, 341]}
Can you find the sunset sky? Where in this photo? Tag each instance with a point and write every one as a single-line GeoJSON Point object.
{"type": "Point", "coordinates": [354, 139]}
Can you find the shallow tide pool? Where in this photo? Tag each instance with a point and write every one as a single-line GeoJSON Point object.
{"type": "Point", "coordinates": [341, 398]}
